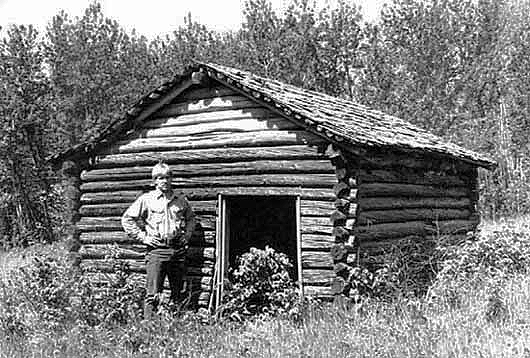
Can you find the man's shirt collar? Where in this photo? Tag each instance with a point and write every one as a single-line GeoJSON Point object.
{"type": "Point", "coordinates": [159, 193]}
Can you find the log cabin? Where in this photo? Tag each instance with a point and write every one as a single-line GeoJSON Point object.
{"type": "Point", "coordinates": [331, 183]}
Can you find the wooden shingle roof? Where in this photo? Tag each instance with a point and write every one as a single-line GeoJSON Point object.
{"type": "Point", "coordinates": [339, 120]}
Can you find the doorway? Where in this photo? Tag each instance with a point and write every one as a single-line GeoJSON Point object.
{"type": "Point", "coordinates": [256, 221]}
{"type": "Point", "coordinates": [259, 221]}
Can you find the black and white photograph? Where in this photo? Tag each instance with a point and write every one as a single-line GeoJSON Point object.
{"type": "Point", "coordinates": [265, 178]}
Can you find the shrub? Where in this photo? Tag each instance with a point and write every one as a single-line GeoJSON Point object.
{"type": "Point", "coordinates": [407, 271]}
{"type": "Point", "coordinates": [484, 260]}
{"type": "Point", "coordinates": [261, 284]}
{"type": "Point", "coordinates": [46, 293]}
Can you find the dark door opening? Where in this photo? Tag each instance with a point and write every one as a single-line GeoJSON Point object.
{"type": "Point", "coordinates": [254, 221]}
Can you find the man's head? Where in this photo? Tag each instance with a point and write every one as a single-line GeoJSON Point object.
{"type": "Point", "coordinates": [161, 175]}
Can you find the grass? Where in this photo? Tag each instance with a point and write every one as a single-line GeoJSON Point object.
{"type": "Point", "coordinates": [492, 320]}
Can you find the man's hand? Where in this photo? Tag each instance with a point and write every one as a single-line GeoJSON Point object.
{"type": "Point", "coordinates": [151, 241]}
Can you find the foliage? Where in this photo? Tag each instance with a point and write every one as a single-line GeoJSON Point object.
{"type": "Point", "coordinates": [46, 293]}
{"type": "Point", "coordinates": [398, 329]}
{"type": "Point", "coordinates": [96, 70]}
{"type": "Point", "coordinates": [261, 283]}
{"type": "Point", "coordinates": [487, 318]}
{"type": "Point", "coordinates": [115, 300]}
{"type": "Point", "coordinates": [24, 114]}
{"type": "Point", "coordinates": [485, 260]}
{"type": "Point", "coordinates": [456, 68]}
{"type": "Point", "coordinates": [408, 270]}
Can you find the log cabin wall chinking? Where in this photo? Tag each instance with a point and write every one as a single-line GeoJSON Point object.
{"type": "Point", "coordinates": [359, 180]}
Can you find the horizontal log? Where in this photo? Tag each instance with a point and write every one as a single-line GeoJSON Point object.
{"type": "Point", "coordinates": [308, 208]}
{"type": "Point", "coordinates": [138, 268]}
{"type": "Point", "coordinates": [402, 203]}
{"type": "Point", "coordinates": [317, 242]}
{"type": "Point", "coordinates": [409, 190]}
{"type": "Point", "coordinates": [315, 224]}
{"type": "Point", "coordinates": [316, 259]}
{"type": "Point", "coordinates": [322, 208]}
{"type": "Point", "coordinates": [315, 220]}
{"type": "Point", "coordinates": [316, 208]}
{"type": "Point", "coordinates": [194, 94]}
{"type": "Point", "coordinates": [100, 278]}
{"type": "Point", "coordinates": [316, 229]}
{"type": "Point", "coordinates": [109, 223]}
{"type": "Point", "coordinates": [117, 209]}
{"type": "Point", "coordinates": [209, 156]}
{"type": "Point", "coordinates": [138, 251]}
{"type": "Point", "coordinates": [106, 237]}
{"type": "Point", "coordinates": [317, 276]}
{"type": "Point", "coordinates": [97, 265]}
{"type": "Point", "coordinates": [204, 238]}
{"type": "Point", "coordinates": [202, 106]}
{"type": "Point", "coordinates": [411, 177]}
{"type": "Point", "coordinates": [389, 231]}
{"type": "Point", "coordinates": [195, 282]}
{"type": "Point", "coordinates": [247, 139]}
{"type": "Point", "coordinates": [113, 223]}
{"type": "Point", "coordinates": [320, 225]}
{"type": "Point", "coordinates": [215, 126]}
{"type": "Point", "coordinates": [307, 180]}
{"type": "Point", "coordinates": [413, 228]}
{"type": "Point", "coordinates": [170, 115]}
{"type": "Point", "coordinates": [451, 227]}
{"type": "Point", "coordinates": [213, 169]}
{"type": "Point", "coordinates": [211, 123]}
{"type": "Point", "coordinates": [128, 196]}
{"type": "Point", "coordinates": [318, 291]}
{"type": "Point", "coordinates": [387, 216]}
{"type": "Point", "coordinates": [205, 269]}
{"type": "Point", "coordinates": [385, 159]}
{"type": "Point", "coordinates": [381, 245]}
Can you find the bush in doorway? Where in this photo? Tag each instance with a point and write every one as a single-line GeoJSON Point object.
{"type": "Point", "coordinates": [261, 284]}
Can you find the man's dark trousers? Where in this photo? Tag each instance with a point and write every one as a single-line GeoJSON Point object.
{"type": "Point", "coordinates": [160, 263]}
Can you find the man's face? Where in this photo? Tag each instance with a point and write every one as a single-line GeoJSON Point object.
{"type": "Point", "coordinates": [163, 183]}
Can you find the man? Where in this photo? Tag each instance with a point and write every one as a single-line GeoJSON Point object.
{"type": "Point", "coordinates": [169, 223]}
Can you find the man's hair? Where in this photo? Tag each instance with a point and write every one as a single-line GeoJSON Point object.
{"type": "Point", "coordinates": [160, 169]}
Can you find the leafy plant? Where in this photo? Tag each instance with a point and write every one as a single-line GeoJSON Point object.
{"type": "Point", "coordinates": [261, 283]}
{"type": "Point", "coordinates": [46, 293]}
{"type": "Point", "coordinates": [488, 256]}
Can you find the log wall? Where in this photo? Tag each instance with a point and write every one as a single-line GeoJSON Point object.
{"type": "Point", "coordinates": [216, 141]}
{"type": "Point", "coordinates": [401, 197]}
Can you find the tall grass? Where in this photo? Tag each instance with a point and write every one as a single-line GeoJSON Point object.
{"type": "Point", "coordinates": [490, 318]}
{"type": "Point", "coordinates": [404, 329]}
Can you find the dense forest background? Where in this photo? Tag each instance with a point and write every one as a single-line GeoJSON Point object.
{"type": "Point", "coordinates": [458, 68]}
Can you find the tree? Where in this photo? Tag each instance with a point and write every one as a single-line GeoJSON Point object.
{"type": "Point", "coordinates": [24, 115]}
{"type": "Point", "coordinates": [96, 70]}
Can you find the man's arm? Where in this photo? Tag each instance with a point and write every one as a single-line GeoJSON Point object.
{"type": "Point", "coordinates": [136, 211]}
